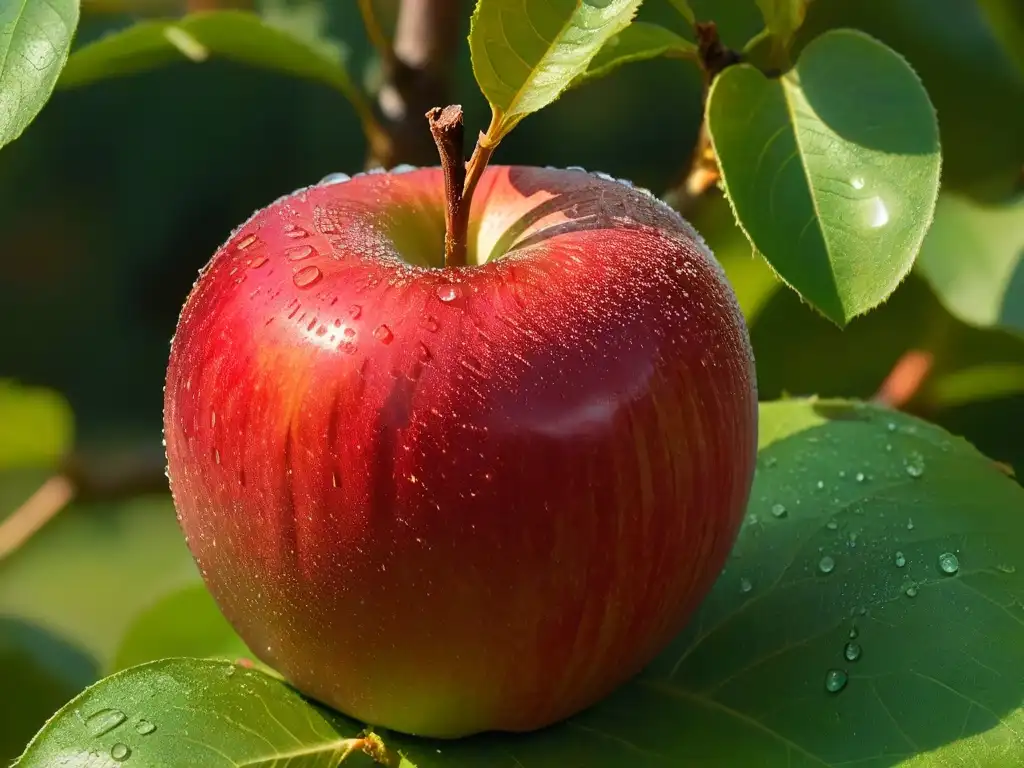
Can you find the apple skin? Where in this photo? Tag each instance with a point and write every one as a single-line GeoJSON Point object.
{"type": "Point", "coordinates": [461, 499]}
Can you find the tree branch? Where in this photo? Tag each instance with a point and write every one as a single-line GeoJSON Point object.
{"type": "Point", "coordinates": [417, 78]}
{"type": "Point", "coordinates": [702, 172]}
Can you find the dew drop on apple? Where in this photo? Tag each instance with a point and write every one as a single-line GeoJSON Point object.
{"type": "Point", "coordinates": [948, 563]}
{"type": "Point", "coordinates": [383, 334]}
{"type": "Point", "coordinates": [852, 651]}
{"type": "Point", "coordinates": [430, 323]}
{"type": "Point", "coordinates": [144, 727]}
{"type": "Point", "coordinates": [120, 752]}
{"type": "Point", "coordinates": [349, 333]}
{"type": "Point", "coordinates": [355, 311]}
{"type": "Point", "coordinates": [294, 232]}
{"type": "Point", "coordinates": [257, 262]}
{"type": "Point", "coordinates": [335, 178]}
{"type": "Point", "coordinates": [247, 242]}
{"type": "Point", "coordinates": [448, 292]}
{"type": "Point", "coordinates": [835, 680]}
{"type": "Point", "coordinates": [826, 564]}
{"type": "Point", "coordinates": [301, 253]}
{"type": "Point", "coordinates": [307, 276]}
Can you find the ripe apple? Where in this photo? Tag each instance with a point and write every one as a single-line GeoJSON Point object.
{"type": "Point", "coordinates": [445, 500]}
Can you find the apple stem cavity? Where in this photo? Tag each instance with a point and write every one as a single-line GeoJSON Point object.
{"type": "Point", "coordinates": [449, 135]}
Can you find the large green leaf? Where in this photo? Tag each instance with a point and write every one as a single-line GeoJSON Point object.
{"type": "Point", "coordinates": [525, 53]}
{"type": "Point", "coordinates": [637, 42]}
{"type": "Point", "coordinates": [832, 169]}
{"type": "Point", "coordinates": [870, 615]}
{"type": "Point", "coordinates": [236, 35]}
{"type": "Point", "coordinates": [970, 74]}
{"type": "Point", "coordinates": [36, 426]}
{"type": "Point", "coordinates": [183, 623]}
{"type": "Point", "coordinates": [186, 712]}
{"type": "Point", "coordinates": [35, 37]}
{"type": "Point", "coordinates": [974, 258]}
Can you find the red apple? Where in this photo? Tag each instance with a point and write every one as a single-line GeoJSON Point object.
{"type": "Point", "coordinates": [445, 500]}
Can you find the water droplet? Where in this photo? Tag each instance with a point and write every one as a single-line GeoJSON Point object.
{"type": "Point", "coordinates": [914, 464]}
{"type": "Point", "coordinates": [854, 632]}
{"type": "Point", "coordinates": [778, 510]}
{"type": "Point", "coordinates": [300, 253]}
{"type": "Point", "coordinates": [294, 232]}
{"type": "Point", "coordinates": [335, 178]}
{"type": "Point", "coordinates": [355, 311]}
{"type": "Point", "coordinates": [948, 563]}
{"type": "Point", "coordinates": [383, 334]}
{"type": "Point", "coordinates": [144, 727]}
{"type": "Point", "coordinates": [851, 651]}
{"type": "Point", "coordinates": [745, 585]}
{"type": "Point", "coordinates": [246, 242]}
{"type": "Point", "coordinates": [835, 680]}
{"type": "Point", "coordinates": [832, 525]}
{"type": "Point", "coordinates": [910, 524]}
{"type": "Point", "coordinates": [103, 721]}
{"type": "Point", "coordinates": [878, 214]}
{"type": "Point", "coordinates": [900, 559]}
{"type": "Point", "coordinates": [257, 262]}
{"type": "Point", "coordinates": [861, 477]}
{"type": "Point", "coordinates": [422, 352]}
{"type": "Point", "coordinates": [120, 752]}
{"type": "Point", "coordinates": [1005, 568]}
{"type": "Point", "coordinates": [771, 461]}
{"type": "Point", "coordinates": [213, 418]}
{"type": "Point", "coordinates": [857, 182]}
{"type": "Point", "coordinates": [430, 323]}
{"type": "Point", "coordinates": [307, 276]}
{"type": "Point", "coordinates": [821, 484]}
{"type": "Point", "coordinates": [349, 333]}
{"type": "Point", "coordinates": [826, 564]}
{"type": "Point", "coordinates": [448, 292]}
{"type": "Point", "coordinates": [911, 589]}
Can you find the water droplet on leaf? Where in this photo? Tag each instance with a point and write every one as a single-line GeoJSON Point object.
{"type": "Point", "coordinates": [900, 560]}
{"type": "Point", "coordinates": [120, 752]}
{"type": "Point", "coordinates": [826, 564]}
{"type": "Point", "coordinates": [914, 464]}
{"type": "Point", "coordinates": [778, 510]}
{"type": "Point", "coordinates": [948, 563]}
{"type": "Point", "coordinates": [852, 651]}
{"type": "Point", "coordinates": [835, 680]}
{"type": "Point", "coordinates": [745, 585]}
{"type": "Point", "coordinates": [103, 721]}
{"type": "Point", "coordinates": [144, 727]}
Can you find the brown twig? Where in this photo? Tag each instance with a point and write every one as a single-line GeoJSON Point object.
{"type": "Point", "coordinates": [447, 129]}
{"type": "Point", "coordinates": [417, 77]}
{"type": "Point", "coordinates": [702, 171]}
{"type": "Point", "coordinates": [85, 479]}
{"type": "Point", "coordinates": [905, 379]}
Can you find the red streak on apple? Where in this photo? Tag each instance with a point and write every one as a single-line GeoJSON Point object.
{"type": "Point", "coordinates": [450, 500]}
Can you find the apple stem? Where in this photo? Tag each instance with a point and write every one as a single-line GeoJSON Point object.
{"type": "Point", "coordinates": [447, 129]}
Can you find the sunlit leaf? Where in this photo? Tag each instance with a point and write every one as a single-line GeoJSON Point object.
{"type": "Point", "coordinates": [35, 37]}
{"type": "Point", "coordinates": [36, 426]}
{"type": "Point", "coordinates": [832, 169]}
{"type": "Point", "coordinates": [525, 53]}
{"type": "Point", "coordinates": [637, 42]}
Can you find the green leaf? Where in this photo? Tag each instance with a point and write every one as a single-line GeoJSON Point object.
{"type": "Point", "coordinates": [183, 623]}
{"type": "Point", "coordinates": [973, 257]}
{"type": "Point", "coordinates": [783, 18]}
{"type": "Point", "coordinates": [35, 37]}
{"type": "Point", "coordinates": [525, 53]}
{"type": "Point", "coordinates": [235, 35]}
{"type": "Point", "coordinates": [184, 712]}
{"type": "Point", "coordinates": [637, 42]}
{"type": "Point", "coordinates": [36, 426]}
{"type": "Point", "coordinates": [960, 54]}
{"type": "Point", "coordinates": [832, 170]}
